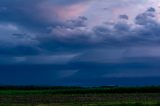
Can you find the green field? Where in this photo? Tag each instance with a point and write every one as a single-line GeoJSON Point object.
{"type": "Point", "coordinates": [77, 96]}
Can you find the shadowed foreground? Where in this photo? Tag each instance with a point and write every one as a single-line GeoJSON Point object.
{"type": "Point", "coordinates": [76, 96]}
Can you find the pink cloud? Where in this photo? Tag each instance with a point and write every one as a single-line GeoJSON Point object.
{"type": "Point", "coordinates": [50, 11]}
{"type": "Point", "coordinates": [71, 11]}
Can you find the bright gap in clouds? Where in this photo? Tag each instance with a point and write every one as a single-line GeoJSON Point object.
{"type": "Point", "coordinates": [100, 11]}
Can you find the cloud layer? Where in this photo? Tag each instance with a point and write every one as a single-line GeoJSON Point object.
{"type": "Point", "coordinates": [81, 38]}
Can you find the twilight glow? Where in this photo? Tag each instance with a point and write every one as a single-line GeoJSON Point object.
{"type": "Point", "coordinates": [80, 42]}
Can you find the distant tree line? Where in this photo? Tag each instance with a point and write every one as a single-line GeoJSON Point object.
{"type": "Point", "coordinates": [83, 90]}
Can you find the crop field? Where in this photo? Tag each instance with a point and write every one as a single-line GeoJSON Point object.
{"type": "Point", "coordinates": [77, 96]}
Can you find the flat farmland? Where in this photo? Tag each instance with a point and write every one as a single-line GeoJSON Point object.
{"type": "Point", "coordinates": [66, 96]}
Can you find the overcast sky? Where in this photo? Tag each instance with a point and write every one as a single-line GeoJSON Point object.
{"type": "Point", "coordinates": [68, 42]}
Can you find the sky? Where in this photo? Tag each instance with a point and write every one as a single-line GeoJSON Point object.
{"type": "Point", "coordinates": [80, 42]}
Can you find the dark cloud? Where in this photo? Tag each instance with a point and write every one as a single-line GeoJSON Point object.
{"type": "Point", "coordinates": [124, 17]}
{"type": "Point", "coordinates": [31, 42]}
{"type": "Point", "coordinates": [79, 22]}
{"type": "Point", "coordinates": [145, 18]}
{"type": "Point", "coordinates": [74, 34]}
{"type": "Point", "coordinates": [144, 29]}
{"type": "Point", "coordinates": [151, 9]}
{"type": "Point", "coordinates": [88, 72]}
{"type": "Point", "coordinates": [31, 14]}
{"type": "Point", "coordinates": [122, 27]}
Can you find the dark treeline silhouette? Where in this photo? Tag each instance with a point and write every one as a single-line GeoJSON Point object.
{"type": "Point", "coordinates": [82, 90]}
{"type": "Point", "coordinates": [37, 87]}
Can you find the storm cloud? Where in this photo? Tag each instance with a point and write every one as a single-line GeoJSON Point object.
{"type": "Point", "coordinates": [77, 39]}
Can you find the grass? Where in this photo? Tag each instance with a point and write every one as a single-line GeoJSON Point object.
{"type": "Point", "coordinates": [76, 96]}
{"type": "Point", "coordinates": [93, 104]}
